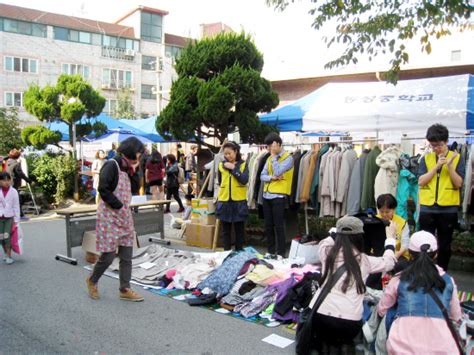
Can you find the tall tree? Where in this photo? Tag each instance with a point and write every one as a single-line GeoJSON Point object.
{"type": "Point", "coordinates": [9, 130]}
{"type": "Point", "coordinates": [68, 101]}
{"type": "Point", "coordinates": [374, 27]}
{"type": "Point", "coordinates": [71, 98]}
{"type": "Point", "coordinates": [39, 136]}
{"type": "Point", "coordinates": [219, 90]}
{"type": "Point", "coordinates": [125, 108]}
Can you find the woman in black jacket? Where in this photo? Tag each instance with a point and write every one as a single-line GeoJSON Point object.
{"type": "Point", "coordinates": [172, 182]}
{"type": "Point", "coordinates": [114, 223]}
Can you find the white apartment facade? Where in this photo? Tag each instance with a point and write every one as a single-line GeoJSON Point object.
{"type": "Point", "coordinates": [134, 53]}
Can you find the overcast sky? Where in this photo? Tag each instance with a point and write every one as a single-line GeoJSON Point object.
{"type": "Point", "coordinates": [290, 46]}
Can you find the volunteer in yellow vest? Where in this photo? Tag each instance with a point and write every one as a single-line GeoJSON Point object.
{"type": "Point", "coordinates": [441, 174]}
{"type": "Point", "coordinates": [398, 228]}
{"type": "Point", "coordinates": [277, 176]}
{"type": "Point", "coordinates": [231, 206]}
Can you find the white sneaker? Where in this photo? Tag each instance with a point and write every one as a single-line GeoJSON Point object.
{"type": "Point", "coordinates": [9, 261]}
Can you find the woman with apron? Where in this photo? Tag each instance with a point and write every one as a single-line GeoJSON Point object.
{"type": "Point", "coordinates": [114, 226]}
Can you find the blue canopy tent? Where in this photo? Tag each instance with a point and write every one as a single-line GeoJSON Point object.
{"type": "Point", "coordinates": [110, 122]}
{"type": "Point", "coordinates": [119, 135]}
{"type": "Point", "coordinates": [289, 118]}
{"type": "Point", "coordinates": [146, 125]}
{"type": "Point", "coordinates": [407, 108]}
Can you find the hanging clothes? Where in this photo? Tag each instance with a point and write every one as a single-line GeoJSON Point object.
{"type": "Point", "coordinates": [467, 204]}
{"type": "Point", "coordinates": [386, 180]}
{"type": "Point", "coordinates": [370, 172]}
{"type": "Point", "coordinates": [334, 167]}
{"type": "Point", "coordinates": [314, 200]}
{"type": "Point", "coordinates": [349, 159]}
{"type": "Point", "coordinates": [294, 184]}
{"type": "Point", "coordinates": [355, 184]}
{"type": "Point", "coordinates": [407, 188]}
{"type": "Point", "coordinates": [324, 190]}
{"type": "Point", "coordinates": [309, 174]}
{"type": "Point", "coordinates": [253, 174]}
{"type": "Point", "coordinates": [304, 165]}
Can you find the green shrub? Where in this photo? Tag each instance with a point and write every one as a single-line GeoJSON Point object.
{"type": "Point", "coordinates": [55, 175]}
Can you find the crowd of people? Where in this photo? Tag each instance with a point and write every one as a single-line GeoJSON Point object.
{"type": "Point", "coordinates": [418, 296]}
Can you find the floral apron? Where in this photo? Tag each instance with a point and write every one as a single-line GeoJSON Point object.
{"type": "Point", "coordinates": [115, 227]}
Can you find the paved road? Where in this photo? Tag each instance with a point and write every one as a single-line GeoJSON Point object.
{"type": "Point", "coordinates": [44, 308]}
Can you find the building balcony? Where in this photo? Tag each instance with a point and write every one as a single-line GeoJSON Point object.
{"type": "Point", "coordinates": [118, 53]}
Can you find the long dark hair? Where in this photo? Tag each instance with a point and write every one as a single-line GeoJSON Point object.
{"type": "Point", "coordinates": [155, 156]}
{"type": "Point", "coordinates": [347, 242]}
{"type": "Point", "coordinates": [130, 147]}
{"type": "Point", "coordinates": [236, 148]}
{"type": "Point", "coordinates": [422, 272]}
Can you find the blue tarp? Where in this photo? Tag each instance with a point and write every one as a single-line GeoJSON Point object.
{"type": "Point", "coordinates": [111, 124]}
{"type": "Point", "coordinates": [146, 125]}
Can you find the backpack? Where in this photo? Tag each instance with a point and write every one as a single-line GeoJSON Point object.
{"type": "Point", "coordinates": [180, 175]}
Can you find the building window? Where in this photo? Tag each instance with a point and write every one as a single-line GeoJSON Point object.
{"type": "Point", "coordinates": [455, 56]}
{"type": "Point", "coordinates": [116, 79]}
{"type": "Point", "coordinates": [151, 27]}
{"type": "Point", "coordinates": [124, 43]}
{"type": "Point", "coordinates": [72, 69]}
{"type": "Point", "coordinates": [148, 92]}
{"type": "Point", "coordinates": [14, 99]}
{"type": "Point", "coordinates": [173, 52]}
{"type": "Point", "coordinates": [148, 63]}
{"type": "Point", "coordinates": [22, 27]}
{"type": "Point", "coordinates": [65, 34]}
{"type": "Point", "coordinates": [110, 106]}
{"type": "Point", "coordinates": [25, 65]}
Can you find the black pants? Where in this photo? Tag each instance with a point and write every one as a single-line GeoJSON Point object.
{"type": "Point", "coordinates": [173, 191]}
{"type": "Point", "coordinates": [125, 266]}
{"type": "Point", "coordinates": [334, 334]}
{"type": "Point", "coordinates": [239, 229]}
{"type": "Point", "coordinates": [274, 214]}
{"type": "Point", "coordinates": [442, 226]}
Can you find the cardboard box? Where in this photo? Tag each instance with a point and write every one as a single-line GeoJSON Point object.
{"type": "Point", "coordinates": [203, 211]}
{"type": "Point", "coordinates": [206, 219]}
{"type": "Point", "coordinates": [89, 242]}
{"type": "Point", "coordinates": [309, 252]}
{"type": "Point", "coordinates": [199, 235]}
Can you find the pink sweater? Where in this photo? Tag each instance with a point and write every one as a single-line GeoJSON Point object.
{"type": "Point", "coordinates": [349, 305]}
{"type": "Point", "coordinates": [419, 335]}
{"type": "Point", "coordinates": [10, 205]}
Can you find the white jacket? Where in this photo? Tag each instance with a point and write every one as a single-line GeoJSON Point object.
{"type": "Point", "coordinates": [386, 180]}
{"type": "Point", "coordinates": [10, 205]}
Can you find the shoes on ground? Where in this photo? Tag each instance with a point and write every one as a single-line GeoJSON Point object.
{"type": "Point", "coordinates": [92, 289]}
{"type": "Point", "coordinates": [129, 295]}
{"type": "Point", "coordinates": [9, 261]}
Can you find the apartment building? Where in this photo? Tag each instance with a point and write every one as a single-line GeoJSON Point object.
{"type": "Point", "coordinates": [133, 54]}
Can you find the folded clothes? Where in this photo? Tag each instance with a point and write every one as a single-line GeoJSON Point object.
{"type": "Point", "coordinates": [202, 300]}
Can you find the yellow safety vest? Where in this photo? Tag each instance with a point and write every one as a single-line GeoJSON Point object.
{"type": "Point", "coordinates": [231, 188]}
{"type": "Point", "coordinates": [440, 190]}
{"type": "Point", "coordinates": [400, 225]}
{"type": "Point", "coordinates": [282, 187]}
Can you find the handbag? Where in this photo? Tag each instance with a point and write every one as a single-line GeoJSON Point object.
{"type": "Point", "coordinates": [450, 324]}
{"type": "Point", "coordinates": [304, 330]}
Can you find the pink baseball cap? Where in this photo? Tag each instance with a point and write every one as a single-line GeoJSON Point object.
{"type": "Point", "coordinates": [421, 238]}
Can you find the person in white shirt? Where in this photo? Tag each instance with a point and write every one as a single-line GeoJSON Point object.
{"type": "Point", "coordinates": [9, 214]}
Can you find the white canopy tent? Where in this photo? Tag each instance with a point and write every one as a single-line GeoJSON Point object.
{"type": "Point", "coordinates": [408, 108]}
